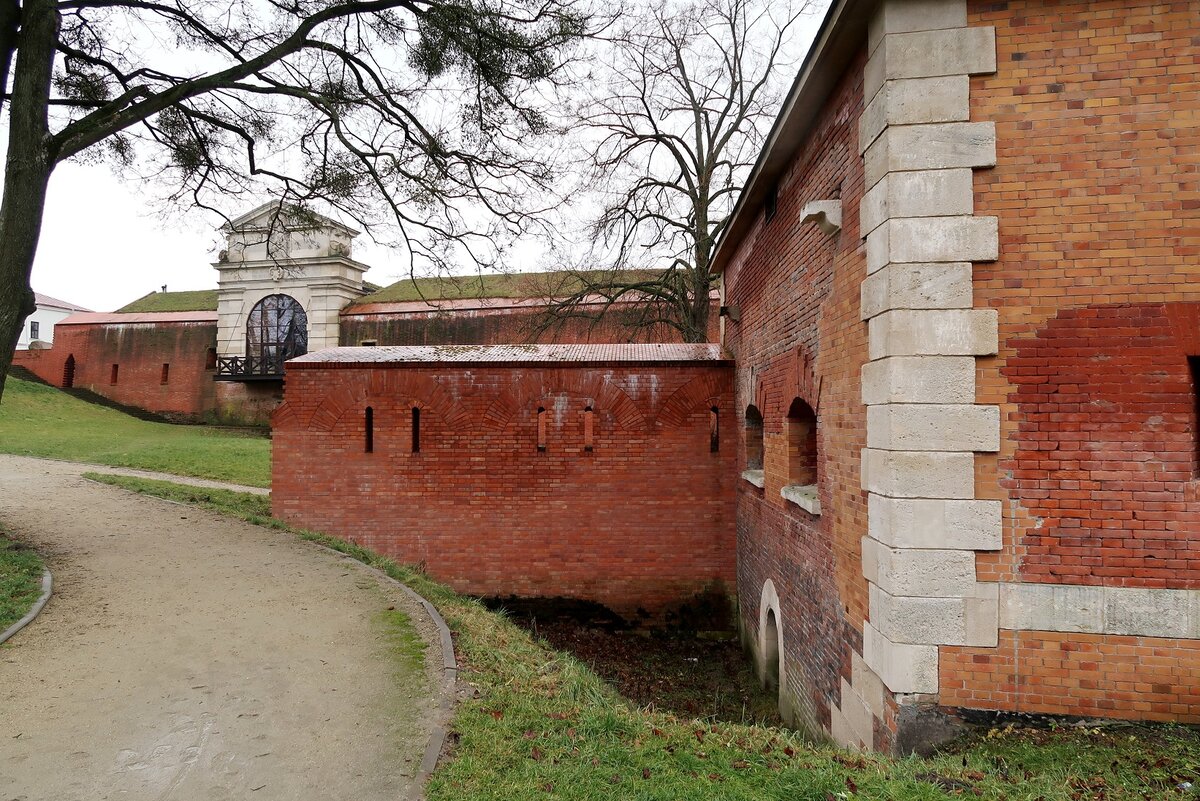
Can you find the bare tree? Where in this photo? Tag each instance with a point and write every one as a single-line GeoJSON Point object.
{"type": "Point", "coordinates": [680, 116]}
{"type": "Point", "coordinates": [421, 108]}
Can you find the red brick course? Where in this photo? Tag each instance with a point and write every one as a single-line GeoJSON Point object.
{"type": "Point", "coordinates": [642, 523]}
{"type": "Point", "coordinates": [1141, 678]}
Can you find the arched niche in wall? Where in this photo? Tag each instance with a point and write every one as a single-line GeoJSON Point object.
{"type": "Point", "coordinates": [276, 330]}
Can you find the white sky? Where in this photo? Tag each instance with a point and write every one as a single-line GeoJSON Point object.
{"type": "Point", "coordinates": [103, 245]}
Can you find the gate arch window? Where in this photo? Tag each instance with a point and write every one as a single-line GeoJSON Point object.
{"type": "Point", "coordinates": [276, 330]}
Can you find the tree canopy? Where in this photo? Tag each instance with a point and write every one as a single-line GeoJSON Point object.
{"type": "Point", "coordinates": [424, 109]}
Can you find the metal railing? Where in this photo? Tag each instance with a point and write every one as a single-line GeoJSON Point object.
{"type": "Point", "coordinates": [248, 368]}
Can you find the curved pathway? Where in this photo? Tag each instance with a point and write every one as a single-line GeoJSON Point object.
{"type": "Point", "coordinates": [188, 656]}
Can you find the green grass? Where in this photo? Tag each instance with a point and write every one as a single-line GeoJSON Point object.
{"type": "Point", "coordinates": [540, 725]}
{"type": "Point", "coordinates": [195, 300]}
{"type": "Point", "coordinates": [20, 580]}
{"type": "Point", "coordinates": [494, 285]}
{"type": "Point", "coordinates": [37, 420]}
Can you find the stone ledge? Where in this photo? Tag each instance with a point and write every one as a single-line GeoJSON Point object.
{"type": "Point", "coordinates": [1127, 611]}
{"type": "Point", "coordinates": [755, 477]}
{"type": "Point", "coordinates": [804, 496]}
{"type": "Point", "coordinates": [968, 621]}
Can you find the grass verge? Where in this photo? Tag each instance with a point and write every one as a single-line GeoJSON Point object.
{"type": "Point", "coordinates": [541, 725]}
{"type": "Point", "coordinates": [20, 580]}
{"type": "Point", "coordinates": [37, 420]}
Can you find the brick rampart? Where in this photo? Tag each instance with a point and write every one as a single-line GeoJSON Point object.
{"type": "Point", "coordinates": [139, 351]}
{"type": "Point", "coordinates": [642, 523]}
{"type": "Point", "coordinates": [799, 337]}
{"type": "Point", "coordinates": [1096, 376]}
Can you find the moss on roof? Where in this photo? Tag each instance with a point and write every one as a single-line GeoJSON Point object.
{"type": "Point", "coordinates": [197, 300]}
{"type": "Point", "coordinates": [497, 285]}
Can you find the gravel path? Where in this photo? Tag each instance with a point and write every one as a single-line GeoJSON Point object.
{"type": "Point", "coordinates": [187, 656]}
{"type": "Point", "coordinates": [83, 467]}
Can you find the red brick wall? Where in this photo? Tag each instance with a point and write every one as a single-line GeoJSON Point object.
{"type": "Point", "coordinates": [500, 326]}
{"type": "Point", "coordinates": [641, 524]}
{"type": "Point", "coordinates": [800, 336]}
{"type": "Point", "coordinates": [139, 351]}
{"type": "Point", "coordinates": [1096, 192]}
{"type": "Point", "coordinates": [1094, 675]}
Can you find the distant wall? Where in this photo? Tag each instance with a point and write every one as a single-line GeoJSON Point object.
{"type": "Point", "coordinates": [499, 324]}
{"type": "Point", "coordinates": [138, 351]}
{"type": "Point", "coordinates": [642, 523]}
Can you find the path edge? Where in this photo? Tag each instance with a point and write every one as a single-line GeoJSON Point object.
{"type": "Point", "coordinates": [437, 737]}
{"type": "Point", "coordinates": [35, 610]}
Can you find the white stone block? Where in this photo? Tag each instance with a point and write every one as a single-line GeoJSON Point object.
{"type": "Point", "coordinates": [920, 193]}
{"type": "Point", "coordinates": [917, 286]}
{"type": "Point", "coordinates": [951, 332]}
{"type": "Point", "coordinates": [932, 239]}
{"type": "Point", "coordinates": [929, 54]}
{"type": "Point", "coordinates": [867, 684]}
{"type": "Point", "coordinates": [921, 523]}
{"type": "Point", "coordinates": [914, 101]}
{"type": "Point", "coordinates": [919, 379]}
{"type": "Point", "coordinates": [1193, 631]}
{"type": "Point", "coordinates": [971, 621]}
{"type": "Point", "coordinates": [1146, 612]}
{"type": "Point", "coordinates": [934, 427]}
{"type": "Point", "coordinates": [906, 16]}
{"type": "Point", "coordinates": [840, 730]}
{"type": "Point", "coordinates": [919, 474]}
{"type": "Point", "coordinates": [827, 214]}
{"type": "Point", "coordinates": [903, 668]}
{"type": "Point", "coordinates": [858, 715]}
{"type": "Point", "coordinates": [919, 573]}
{"type": "Point", "coordinates": [937, 146]}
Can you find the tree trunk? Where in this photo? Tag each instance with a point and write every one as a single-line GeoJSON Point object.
{"type": "Point", "coordinates": [26, 173]}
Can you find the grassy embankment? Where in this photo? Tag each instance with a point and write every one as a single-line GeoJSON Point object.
{"type": "Point", "coordinates": [541, 725]}
{"type": "Point", "coordinates": [20, 580]}
{"type": "Point", "coordinates": [36, 420]}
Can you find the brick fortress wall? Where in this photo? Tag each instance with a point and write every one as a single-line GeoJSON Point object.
{"type": "Point", "coordinates": [800, 338]}
{"type": "Point", "coordinates": [1096, 108]}
{"type": "Point", "coordinates": [641, 523]}
{"type": "Point", "coordinates": [139, 351]}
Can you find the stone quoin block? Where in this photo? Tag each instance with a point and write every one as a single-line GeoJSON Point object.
{"type": "Point", "coordinates": [919, 573]}
{"type": "Point", "coordinates": [924, 523]}
{"type": "Point", "coordinates": [919, 379]}
{"type": "Point", "coordinates": [937, 146]}
{"type": "Point", "coordinates": [858, 715]}
{"type": "Point", "coordinates": [920, 193]}
{"type": "Point", "coordinates": [917, 286]}
{"type": "Point", "coordinates": [914, 101]}
{"type": "Point", "coordinates": [914, 15]}
{"type": "Point", "coordinates": [918, 474]}
{"type": "Point", "coordinates": [841, 731]}
{"type": "Point", "coordinates": [970, 620]}
{"type": "Point", "coordinates": [1051, 607]}
{"type": "Point", "coordinates": [968, 332]}
{"type": "Point", "coordinates": [867, 684]}
{"type": "Point", "coordinates": [903, 668]}
{"type": "Point", "coordinates": [930, 54]}
{"type": "Point", "coordinates": [933, 427]}
{"type": "Point", "coordinates": [932, 239]}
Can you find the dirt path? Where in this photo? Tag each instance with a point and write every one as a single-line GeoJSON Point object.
{"type": "Point", "coordinates": [84, 467]}
{"type": "Point", "coordinates": [186, 656]}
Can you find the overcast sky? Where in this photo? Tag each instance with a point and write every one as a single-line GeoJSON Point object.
{"type": "Point", "coordinates": [103, 245]}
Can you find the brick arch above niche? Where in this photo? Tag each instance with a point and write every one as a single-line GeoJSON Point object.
{"type": "Point", "coordinates": [700, 394]}
{"type": "Point", "coordinates": [531, 387]}
{"type": "Point", "coordinates": [426, 393]}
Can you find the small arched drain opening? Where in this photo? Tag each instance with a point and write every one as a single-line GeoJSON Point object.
{"type": "Point", "coordinates": [68, 379]}
{"type": "Point", "coordinates": [771, 653]}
